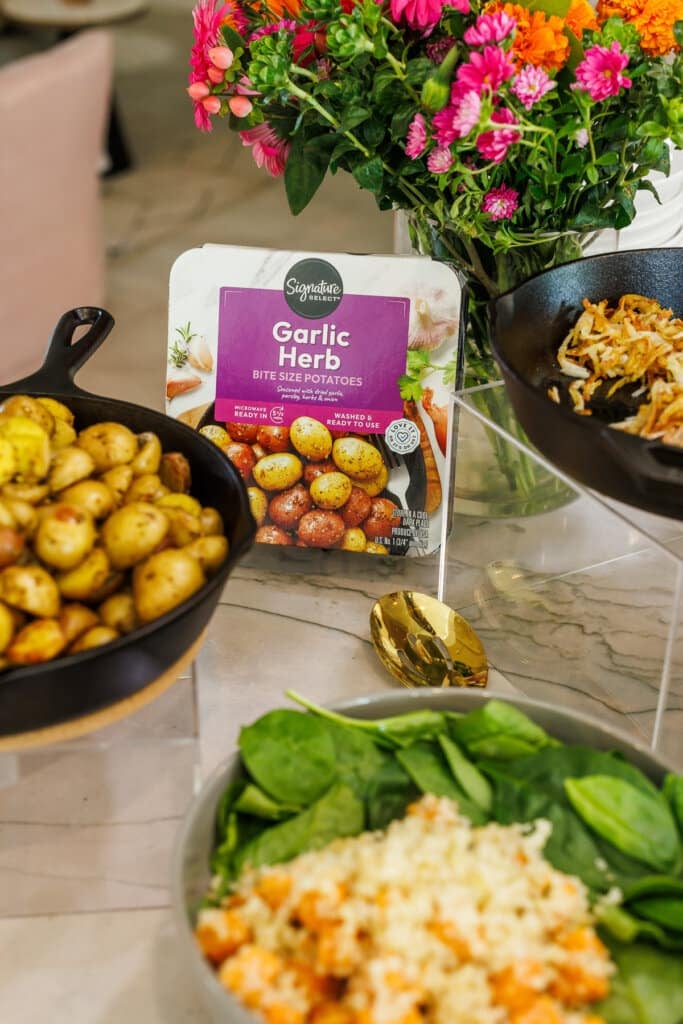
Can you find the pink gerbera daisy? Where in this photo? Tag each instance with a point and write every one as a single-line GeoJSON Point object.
{"type": "Point", "coordinates": [494, 144]}
{"type": "Point", "coordinates": [207, 17]}
{"type": "Point", "coordinates": [500, 203]}
{"type": "Point", "coordinates": [486, 70]}
{"type": "Point", "coordinates": [490, 28]}
{"type": "Point", "coordinates": [458, 120]}
{"type": "Point", "coordinates": [422, 15]}
{"type": "Point", "coordinates": [417, 137]}
{"type": "Point", "coordinates": [267, 148]}
{"type": "Point", "coordinates": [440, 160]}
{"type": "Point", "coordinates": [531, 84]}
{"type": "Point", "coordinates": [600, 72]}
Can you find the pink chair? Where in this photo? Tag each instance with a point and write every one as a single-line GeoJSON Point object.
{"type": "Point", "coordinates": [53, 112]}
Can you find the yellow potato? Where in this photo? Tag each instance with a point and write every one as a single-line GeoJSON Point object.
{"type": "Point", "coordinates": [31, 445]}
{"type": "Point", "coordinates": [183, 527]}
{"type": "Point", "coordinates": [374, 548]}
{"type": "Point", "coordinates": [95, 637]}
{"type": "Point", "coordinates": [64, 536]}
{"type": "Point", "coordinates": [258, 503]}
{"type": "Point", "coordinates": [357, 458]}
{"type": "Point", "coordinates": [62, 436]}
{"type": "Point", "coordinates": [69, 465]}
{"type": "Point", "coordinates": [74, 619]}
{"type": "Point", "coordinates": [311, 438]}
{"type": "Point", "coordinates": [331, 490]}
{"type": "Point", "coordinates": [6, 517]}
{"type": "Point", "coordinates": [376, 485]}
{"type": "Point", "coordinates": [92, 580]}
{"type": "Point", "coordinates": [109, 444]}
{"type": "Point", "coordinates": [163, 581]}
{"type": "Point", "coordinates": [278, 471]}
{"type": "Point", "coordinates": [30, 588]}
{"type": "Point", "coordinates": [148, 458]}
{"type": "Point", "coordinates": [132, 532]}
{"type": "Point", "coordinates": [32, 493]}
{"type": "Point", "coordinates": [8, 462]}
{"type": "Point", "coordinates": [354, 540]}
{"type": "Point", "coordinates": [24, 514]}
{"type": "Point", "coordinates": [184, 501]}
{"type": "Point", "coordinates": [118, 612]}
{"type": "Point", "coordinates": [210, 552]}
{"type": "Point", "coordinates": [58, 410]}
{"type": "Point", "coordinates": [39, 641]}
{"type": "Point", "coordinates": [218, 435]}
{"type": "Point", "coordinates": [118, 480]}
{"type": "Point", "coordinates": [92, 495]}
{"type": "Point", "coordinates": [146, 487]}
{"type": "Point", "coordinates": [24, 405]}
{"type": "Point", "coordinates": [6, 626]}
{"type": "Point", "coordinates": [210, 521]}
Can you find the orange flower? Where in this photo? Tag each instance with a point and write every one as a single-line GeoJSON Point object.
{"type": "Point", "coordinates": [539, 39]}
{"type": "Point", "coordinates": [655, 24]}
{"type": "Point", "coordinates": [278, 9]}
{"type": "Point", "coordinates": [580, 16]}
{"type": "Point", "coordinates": [626, 9]}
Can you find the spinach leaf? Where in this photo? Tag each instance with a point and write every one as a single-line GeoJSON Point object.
{"type": "Point", "coordinates": [253, 800]}
{"type": "Point", "coordinates": [649, 984]}
{"type": "Point", "coordinates": [388, 794]}
{"type": "Point", "coordinates": [290, 755]}
{"type": "Point", "coordinates": [240, 829]}
{"type": "Point", "coordinates": [427, 767]}
{"type": "Point", "coordinates": [654, 885]}
{"type": "Point", "coordinates": [337, 813]}
{"type": "Point", "coordinates": [625, 927]}
{"type": "Point", "coordinates": [225, 805]}
{"type": "Point", "coordinates": [358, 759]}
{"type": "Point", "coordinates": [666, 911]}
{"type": "Point", "coordinates": [475, 785]}
{"type": "Point", "coordinates": [500, 731]}
{"type": "Point", "coordinates": [634, 821]}
{"type": "Point", "coordinates": [393, 732]}
{"type": "Point", "coordinates": [673, 792]}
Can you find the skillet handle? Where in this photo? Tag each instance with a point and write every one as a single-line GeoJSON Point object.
{"type": "Point", "coordinates": [64, 357]}
{"type": "Point", "coordinates": [649, 464]}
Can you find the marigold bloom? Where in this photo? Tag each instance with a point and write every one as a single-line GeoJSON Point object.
{"type": "Point", "coordinates": [485, 70]}
{"type": "Point", "coordinates": [655, 24]}
{"type": "Point", "coordinates": [440, 160]}
{"type": "Point", "coordinates": [539, 38]}
{"type": "Point", "coordinates": [626, 9]}
{"type": "Point", "coordinates": [416, 139]}
{"type": "Point", "coordinates": [457, 121]}
{"type": "Point", "coordinates": [267, 148]}
{"type": "Point", "coordinates": [489, 28]}
{"type": "Point", "coordinates": [500, 203]}
{"type": "Point", "coordinates": [531, 84]}
{"type": "Point", "coordinates": [421, 15]}
{"type": "Point", "coordinates": [275, 10]}
{"type": "Point", "coordinates": [494, 144]}
{"type": "Point", "coordinates": [580, 16]}
{"type": "Point", "coordinates": [600, 72]}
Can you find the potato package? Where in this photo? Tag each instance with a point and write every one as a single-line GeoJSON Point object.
{"type": "Point", "coordinates": [326, 379]}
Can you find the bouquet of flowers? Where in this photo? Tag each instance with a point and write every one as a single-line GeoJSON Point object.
{"type": "Point", "coordinates": [508, 132]}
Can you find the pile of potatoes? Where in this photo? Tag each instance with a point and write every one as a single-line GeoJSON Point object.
{"type": "Point", "coordinates": [98, 532]}
{"type": "Point", "coordinates": [309, 487]}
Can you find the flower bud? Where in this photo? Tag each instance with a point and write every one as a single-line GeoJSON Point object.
{"type": "Point", "coordinates": [198, 90]}
{"type": "Point", "coordinates": [221, 56]}
{"type": "Point", "coordinates": [212, 104]}
{"type": "Point", "coordinates": [436, 90]}
{"type": "Point", "coordinates": [215, 75]}
{"type": "Point", "coordinates": [240, 106]}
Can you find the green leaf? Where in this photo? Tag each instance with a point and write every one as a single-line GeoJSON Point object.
{"type": "Point", "coordinates": [306, 169]}
{"type": "Point", "coordinates": [232, 38]}
{"type": "Point", "coordinates": [409, 389]}
{"type": "Point", "coordinates": [678, 32]}
{"type": "Point", "coordinates": [475, 785]}
{"type": "Point", "coordinates": [666, 911]}
{"type": "Point", "coordinates": [648, 984]}
{"type": "Point", "coordinates": [289, 754]}
{"type": "Point", "coordinates": [354, 116]}
{"type": "Point", "coordinates": [427, 767]}
{"type": "Point", "coordinates": [673, 793]}
{"type": "Point", "coordinates": [499, 730]}
{"type": "Point", "coordinates": [253, 800]}
{"type": "Point", "coordinates": [370, 175]}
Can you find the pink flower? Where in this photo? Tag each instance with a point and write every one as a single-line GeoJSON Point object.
{"type": "Point", "coordinates": [581, 137]}
{"type": "Point", "coordinates": [457, 121]}
{"type": "Point", "coordinates": [308, 42]}
{"type": "Point", "coordinates": [439, 160]}
{"type": "Point", "coordinates": [494, 144]}
{"type": "Point", "coordinates": [207, 17]}
{"type": "Point", "coordinates": [531, 84]}
{"type": "Point", "coordinates": [599, 73]}
{"type": "Point", "coordinates": [422, 15]}
{"type": "Point", "coordinates": [270, 30]}
{"type": "Point", "coordinates": [486, 70]}
{"type": "Point", "coordinates": [490, 28]}
{"type": "Point", "coordinates": [500, 203]}
{"type": "Point", "coordinates": [417, 137]}
{"type": "Point", "coordinates": [268, 149]}
{"type": "Point", "coordinates": [437, 50]}
{"type": "Point", "coordinates": [463, 6]}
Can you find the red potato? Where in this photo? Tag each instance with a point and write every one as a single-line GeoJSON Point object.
{"type": "Point", "coordinates": [271, 534]}
{"type": "Point", "coordinates": [242, 458]}
{"type": "Point", "coordinates": [321, 528]}
{"type": "Point", "coordinates": [357, 508]}
{"type": "Point", "coordinates": [287, 508]}
{"type": "Point", "coordinates": [242, 431]}
{"type": "Point", "coordinates": [11, 545]}
{"type": "Point", "coordinates": [312, 470]}
{"type": "Point", "coordinates": [379, 523]}
{"type": "Point", "coordinates": [273, 439]}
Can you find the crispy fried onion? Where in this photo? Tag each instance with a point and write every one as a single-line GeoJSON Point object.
{"type": "Point", "coordinates": [637, 342]}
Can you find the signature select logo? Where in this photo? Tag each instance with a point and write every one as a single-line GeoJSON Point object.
{"type": "Point", "coordinates": [313, 288]}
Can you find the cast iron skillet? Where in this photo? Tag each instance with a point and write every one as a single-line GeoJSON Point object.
{"type": "Point", "coordinates": [32, 697]}
{"type": "Point", "coordinates": [528, 326]}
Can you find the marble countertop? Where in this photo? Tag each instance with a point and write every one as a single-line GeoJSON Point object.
{"type": "Point", "coordinates": [574, 607]}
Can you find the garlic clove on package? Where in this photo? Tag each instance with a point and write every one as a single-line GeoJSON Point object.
{"type": "Point", "coordinates": [199, 354]}
{"type": "Point", "coordinates": [428, 330]}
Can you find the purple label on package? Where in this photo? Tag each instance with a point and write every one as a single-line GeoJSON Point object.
{"type": "Point", "coordinates": [274, 365]}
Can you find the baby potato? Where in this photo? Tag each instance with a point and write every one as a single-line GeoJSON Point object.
{"type": "Point", "coordinates": [163, 581]}
{"type": "Point", "coordinates": [32, 494]}
{"type": "Point", "coordinates": [357, 458]}
{"type": "Point", "coordinates": [321, 528]}
{"type": "Point", "coordinates": [217, 435]}
{"type": "Point", "coordinates": [30, 588]}
{"type": "Point", "coordinates": [24, 405]}
{"type": "Point", "coordinates": [373, 548]}
{"type": "Point", "coordinates": [183, 527]}
{"type": "Point", "coordinates": [148, 458]}
{"type": "Point", "coordinates": [92, 580]}
{"type": "Point", "coordinates": [314, 469]}
{"type": "Point", "coordinates": [379, 523]}
{"type": "Point", "coordinates": [109, 444]}
{"type": "Point", "coordinates": [242, 431]}
{"type": "Point", "coordinates": [210, 552]}
{"type": "Point", "coordinates": [31, 445]}
{"type": "Point", "coordinates": [357, 508]}
{"type": "Point", "coordinates": [11, 546]}
{"type": "Point", "coordinates": [242, 458]}
{"type": "Point", "coordinates": [69, 465]}
{"type": "Point", "coordinates": [118, 612]}
{"type": "Point", "coordinates": [58, 410]}
{"type": "Point", "coordinates": [353, 540]}
{"type": "Point", "coordinates": [62, 436]}
{"type": "Point", "coordinates": [287, 508]}
{"type": "Point", "coordinates": [376, 485]}
{"type": "Point", "coordinates": [311, 438]}
{"type": "Point", "coordinates": [278, 471]}
{"type": "Point", "coordinates": [6, 626]}
{"type": "Point", "coordinates": [331, 490]}
{"type": "Point", "coordinates": [175, 472]}
{"type": "Point", "coordinates": [211, 522]}
{"type": "Point", "coordinates": [118, 480]}
{"type": "Point", "coordinates": [258, 504]}
{"type": "Point", "coordinates": [273, 439]}
{"type": "Point", "coordinates": [74, 619]}
{"type": "Point", "coordinates": [146, 487]}
{"type": "Point", "coordinates": [39, 641]}
{"type": "Point", "coordinates": [92, 495]}
{"type": "Point", "coordinates": [95, 637]}
{"type": "Point", "coordinates": [8, 463]}
{"type": "Point", "coordinates": [64, 536]}
{"type": "Point", "coordinates": [271, 534]}
{"type": "Point", "coordinates": [184, 501]}
{"type": "Point", "coordinates": [132, 532]}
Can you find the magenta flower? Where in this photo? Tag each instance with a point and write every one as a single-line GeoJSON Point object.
{"type": "Point", "coordinates": [439, 160]}
{"type": "Point", "coordinates": [267, 148]}
{"type": "Point", "coordinates": [531, 84]}
{"type": "Point", "coordinates": [437, 50]}
{"type": "Point", "coordinates": [490, 28]}
{"type": "Point", "coordinates": [422, 15]}
{"type": "Point", "coordinates": [486, 70]}
{"type": "Point", "coordinates": [458, 120]}
{"type": "Point", "coordinates": [268, 30]}
{"type": "Point", "coordinates": [463, 6]}
{"type": "Point", "coordinates": [417, 137]}
{"type": "Point", "coordinates": [599, 73]}
{"type": "Point", "coordinates": [207, 17]}
{"type": "Point", "coordinates": [500, 203]}
{"type": "Point", "coordinates": [494, 144]}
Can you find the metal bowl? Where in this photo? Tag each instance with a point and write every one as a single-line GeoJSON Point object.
{"type": "Point", "coordinates": [190, 872]}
